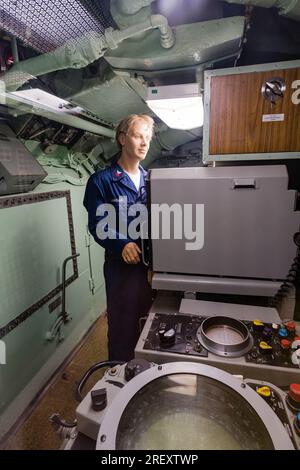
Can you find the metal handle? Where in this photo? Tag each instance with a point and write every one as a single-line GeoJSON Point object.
{"type": "Point", "coordinates": [63, 308]}
{"type": "Point", "coordinates": [63, 317]}
{"type": "Point", "coordinates": [244, 183]}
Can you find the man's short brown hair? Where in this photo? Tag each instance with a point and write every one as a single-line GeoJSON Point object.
{"type": "Point", "coordinates": [127, 122]}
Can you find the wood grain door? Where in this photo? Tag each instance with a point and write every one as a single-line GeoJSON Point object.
{"type": "Point", "coordinates": [237, 108]}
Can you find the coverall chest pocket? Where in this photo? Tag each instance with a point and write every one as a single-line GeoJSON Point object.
{"type": "Point", "coordinates": [121, 206]}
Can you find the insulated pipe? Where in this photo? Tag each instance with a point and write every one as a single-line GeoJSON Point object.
{"type": "Point", "coordinates": [106, 149]}
{"type": "Point", "coordinates": [167, 38]}
{"type": "Point", "coordinates": [289, 8]}
{"type": "Point", "coordinates": [129, 13]}
{"type": "Point", "coordinates": [131, 8]}
{"type": "Point", "coordinates": [14, 48]}
{"type": "Point", "coordinates": [83, 51]}
{"type": "Point", "coordinates": [170, 139]}
{"type": "Point", "coordinates": [164, 140]}
{"type": "Point", "coordinates": [73, 54]}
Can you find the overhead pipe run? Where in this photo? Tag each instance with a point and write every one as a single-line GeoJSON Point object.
{"type": "Point", "coordinates": [163, 139]}
{"type": "Point", "coordinates": [73, 54]}
{"type": "Point", "coordinates": [14, 48]}
{"type": "Point", "coordinates": [167, 38]}
{"type": "Point", "coordinates": [131, 8]}
{"type": "Point", "coordinates": [83, 51]}
{"type": "Point", "coordinates": [288, 8]}
{"type": "Point", "coordinates": [169, 139]}
{"type": "Point", "coordinates": [129, 13]}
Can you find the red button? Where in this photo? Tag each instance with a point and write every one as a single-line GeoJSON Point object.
{"type": "Point", "coordinates": [291, 326]}
{"type": "Point", "coordinates": [285, 343]}
{"type": "Point", "coordinates": [295, 392]}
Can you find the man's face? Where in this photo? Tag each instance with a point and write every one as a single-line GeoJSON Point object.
{"type": "Point", "coordinates": [135, 143]}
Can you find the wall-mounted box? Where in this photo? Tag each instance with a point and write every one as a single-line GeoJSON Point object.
{"type": "Point", "coordinates": [20, 172]}
{"type": "Point", "coordinates": [252, 113]}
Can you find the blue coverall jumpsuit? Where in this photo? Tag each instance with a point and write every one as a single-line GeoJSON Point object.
{"type": "Point", "coordinates": [128, 292]}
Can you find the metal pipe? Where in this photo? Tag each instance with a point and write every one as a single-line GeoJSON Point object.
{"type": "Point", "coordinates": [164, 140]}
{"type": "Point", "coordinates": [64, 314]}
{"type": "Point", "coordinates": [83, 51]}
{"type": "Point", "coordinates": [127, 13]}
{"type": "Point", "coordinates": [167, 38]}
{"type": "Point", "coordinates": [73, 54]}
{"type": "Point", "coordinates": [14, 48]}
{"type": "Point", "coordinates": [63, 317]}
{"type": "Point", "coordinates": [131, 8]}
{"type": "Point", "coordinates": [168, 140]}
{"type": "Point", "coordinates": [289, 8]}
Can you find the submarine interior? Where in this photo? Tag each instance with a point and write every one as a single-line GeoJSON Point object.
{"type": "Point", "coordinates": [219, 350]}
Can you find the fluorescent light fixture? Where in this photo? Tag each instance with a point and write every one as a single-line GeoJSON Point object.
{"type": "Point", "coordinates": [41, 98]}
{"type": "Point", "coordinates": [179, 106]}
{"type": "Point", "coordinates": [56, 109]}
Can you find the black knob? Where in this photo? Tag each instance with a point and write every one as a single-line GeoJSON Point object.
{"type": "Point", "coordinates": [197, 347]}
{"type": "Point", "coordinates": [135, 367]}
{"type": "Point", "coordinates": [167, 337]}
{"type": "Point", "coordinates": [99, 399]}
{"type": "Point", "coordinates": [257, 325]}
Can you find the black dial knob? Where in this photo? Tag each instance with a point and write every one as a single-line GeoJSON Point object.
{"type": "Point", "coordinates": [257, 325]}
{"type": "Point", "coordinates": [135, 367]}
{"type": "Point", "coordinates": [166, 337]}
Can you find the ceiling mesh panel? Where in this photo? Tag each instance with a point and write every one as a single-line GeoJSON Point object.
{"type": "Point", "coordinates": [47, 24]}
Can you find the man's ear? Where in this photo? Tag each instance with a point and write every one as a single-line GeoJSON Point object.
{"type": "Point", "coordinates": [122, 139]}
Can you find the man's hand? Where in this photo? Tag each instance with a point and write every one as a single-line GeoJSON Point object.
{"type": "Point", "coordinates": [130, 253]}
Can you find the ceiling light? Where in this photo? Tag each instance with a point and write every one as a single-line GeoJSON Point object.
{"type": "Point", "coordinates": [179, 106]}
{"type": "Point", "coordinates": [41, 98]}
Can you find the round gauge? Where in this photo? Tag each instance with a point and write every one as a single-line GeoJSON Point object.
{"type": "Point", "coordinates": [184, 406]}
{"type": "Point", "coordinates": [225, 336]}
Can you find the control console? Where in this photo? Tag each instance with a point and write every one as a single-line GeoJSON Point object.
{"type": "Point", "coordinates": [252, 348]}
{"type": "Point", "coordinates": [285, 404]}
{"type": "Point", "coordinates": [273, 344]}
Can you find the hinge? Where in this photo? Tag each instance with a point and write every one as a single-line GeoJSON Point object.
{"type": "Point", "coordinates": [91, 284]}
{"type": "Point", "coordinates": [87, 240]}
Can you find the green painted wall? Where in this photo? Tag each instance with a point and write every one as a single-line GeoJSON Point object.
{"type": "Point", "coordinates": [34, 240]}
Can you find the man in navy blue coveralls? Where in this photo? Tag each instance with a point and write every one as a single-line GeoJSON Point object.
{"type": "Point", "coordinates": [127, 289]}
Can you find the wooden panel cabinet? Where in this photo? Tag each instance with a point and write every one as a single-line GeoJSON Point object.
{"type": "Point", "coordinates": [242, 123]}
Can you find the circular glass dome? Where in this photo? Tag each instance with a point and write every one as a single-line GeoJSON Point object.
{"type": "Point", "coordinates": [189, 410]}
